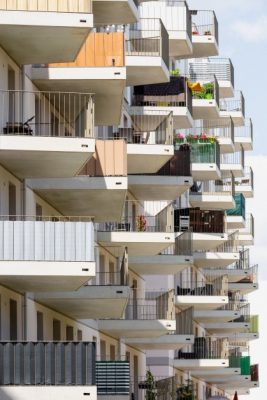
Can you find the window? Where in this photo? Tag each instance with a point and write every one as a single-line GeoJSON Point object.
{"type": "Point", "coordinates": [102, 350]}
{"type": "Point", "coordinates": [79, 335]}
{"type": "Point", "coordinates": [13, 320]}
{"type": "Point", "coordinates": [38, 211]}
{"type": "Point", "coordinates": [112, 352]}
{"type": "Point", "coordinates": [40, 326]}
{"type": "Point", "coordinates": [12, 209]}
{"type": "Point", "coordinates": [56, 330]}
{"type": "Point", "coordinates": [69, 333]}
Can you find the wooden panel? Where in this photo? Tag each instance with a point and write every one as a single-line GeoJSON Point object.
{"type": "Point", "coordinates": [99, 50]}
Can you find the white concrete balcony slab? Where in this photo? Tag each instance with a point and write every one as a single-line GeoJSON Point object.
{"type": "Point", "coordinates": [233, 108]}
{"type": "Point", "coordinates": [243, 287]}
{"type": "Point", "coordinates": [235, 221]}
{"type": "Point", "coordinates": [205, 171]}
{"type": "Point", "coordinates": [240, 337]}
{"type": "Point", "coordinates": [215, 374]}
{"type": "Point", "coordinates": [244, 136]}
{"type": "Point", "coordinates": [234, 274]}
{"type": "Point", "coordinates": [54, 32]}
{"type": "Point", "coordinates": [208, 241]}
{"type": "Point", "coordinates": [209, 261]}
{"type": "Point", "coordinates": [202, 364]}
{"type": "Point", "coordinates": [201, 301]}
{"type": "Point", "coordinates": [155, 187]}
{"type": "Point", "coordinates": [107, 84]}
{"type": "Point", "coordinates": [212, 201]}
{"type": "Point", "coordinates": [204, 33]}
{"type": "Point", "coordinates": [226, 327]}
{"type": "Point", "coordinates": [28, 392]}
{"type": "Point", "coordinates": [166, 342]}
{"type": "Point", "coordinates": [205, 109]}
{"type": "Point", "coordinates": [144, 70]}
{"type": "Point", "coordinates": [243, 383]}
{"type": "Point", "coordinates": [46, 255]}
{"type": "Point", "coordinates": [246, 235]}
{"type": "Point", "coordinates": [160, 264]}
{"type": "Point", "coordinates": [88, 302]}
{"type": "Point", "coordinates": [46, 134]}
{"type": "Point", "coordinates": [114, 12]}
{"type": "Point", "coordinates": [147, 158]}
{"type": "Point", "coordinates": [207, 316]}
{"type": "Point", "coordinates": [103, 197]}
{"type": "Point", "coordinates": [149, 328]}
{"type": "Point", "coordinates": [245, 185]}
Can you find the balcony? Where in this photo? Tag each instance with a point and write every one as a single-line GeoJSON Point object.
{"type": "Point", "coordinates": [98, 190]}
{"type": "Point", "coordinates": [202, 295]}
{"type": "Point", "coordinates": [53, 30]}
{"type": "Point", "coordinates": [34, 374]}
{"type": "Point", "coordinates": [150, 315]}
{"type": "Point", "coordinates": [236, 217]}
{"type": "Point", "coordinates": [105, 296]}
{"type": "Point", "coordinates": [176, 17]}
{"type": "Point", "coordinates": [114, 12]}
{"type": "Point", "coordinates": [245, 185]}
{"type": "Point", "coordinates": [99, 68]}
{"type": "Point", "coordinates": [233, 164]}
{"type": "Point", "coordinates": [239, 324]}
{"type": "Point", "coordinates": [207, 353]}
{"type": "Point", "coordinates": [205, 158]}
{"type": "Point", "coordinates": [218, 258]}
{"type": "Point", "coordinates": [207, 227]}
{"type": "Point", "coordinates": [46, 253]}
{"type": "Point", "coordinates": [45, 134]}
{"type": "Point", "coordinates": [246, 234]}
{"type": "Point", "coordinates": [147, 52]}
{"type": "Point", "coordinates": [145, 232]}
{"type": "Point", "coordinates": [171, 261]}
{"type": "Point", "coordinates": [169, 182]}
{"type": "Point", "coordinates": [174, 96]}
{"type": "Point", "coordinates": [213, 195]}
{"type": "Point", "coordinates": [205, 102]}
{"type": "Point", "coordinates": [205, 33]}
{"type": "Point", "coordinates": [235, 108]}
{"type": "Point", "coordinates": [222, 68]}
{"type": "Point", "coordinates": [245, 282]}
{"type": "Point", "coordinates": [244, 136]}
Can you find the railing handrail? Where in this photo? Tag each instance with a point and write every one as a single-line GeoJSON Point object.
{"type": "Point", "coordinates": [44, 218]}
{"type": "Point", "coordinates": [69, 9]}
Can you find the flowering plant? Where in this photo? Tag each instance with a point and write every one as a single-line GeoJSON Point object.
{"type": "Point", "coordinates": [141, 223]}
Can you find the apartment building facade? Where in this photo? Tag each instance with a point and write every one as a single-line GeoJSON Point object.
{"type": "Point", "coordinates": [124, 237]}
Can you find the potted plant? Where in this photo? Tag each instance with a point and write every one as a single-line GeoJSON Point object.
{"type": "Point", "coordinates": [186, 392]}
{"type": "Point", "coordinates": [179, 138]}
{"type": "Point", "coordinates": [141, 223]}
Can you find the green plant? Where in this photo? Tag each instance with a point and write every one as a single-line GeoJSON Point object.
{"type": "Point", "coordinates": [186, 392]}
{"type": "Point", "coordinates": [175, 72]}
{"type": "Point", "coordinates": [151, 387]}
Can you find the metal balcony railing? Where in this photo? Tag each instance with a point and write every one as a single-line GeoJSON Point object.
{"type": "Point", "coordinates": [27, 238]}
{"type": "Point", "coordinates": [204, 23]}
{"type": "Point", "coordinates": [245, 131]}
{"type": "Point", "coordinates": [60, 114]}
{"type": "Point", "coordinates": [184, 322]}
{"type": "Point", "coordinates": [204, 152]}
{"type": "Point", "coordinates": [47, 363]}
{"type": "Point", "coordinates": [153, 305]}
{"type": "Point", "coordinates": [230, 246]}
{"type": "Point", "coordinates": [158, 131]}
{"type": "Point", "coordinates": [207, 91]}
{"type": "Point", "coordinates": [179, 164]}
{"type": "Point", "coordinates": [175, 93]}
{"type": "Point", "coordinates": [200, 221]}
{"type": "Point", "coordinates": [247, 180]}
{"type": "Point", "coordinates": [222, 68]}
{"type": "Point", "coordinates": [240, 206]}
{"type": "Point", "coordinates": [66, 6]}
{"type": "Point", "coordinates": [223, 187]}
{"type": "Point", "coordinates": [206, 348]}
{"type": "Point", "coordinates": [183, 245]}
{"type": "Point", "coordinates": [216, 287]}
{"type": "Point", "coordinates": [156, 218]}
{"type": "Point", "coordinates": [237, 158]}
{"type": "Point", "coordinates": [249, 228]}
{"type": "Point", "coordinates": [148, 37]}
{"type": "Point", "coordinates": [236, 103]}
{"type": "Point", "coordinates": [112, 378]}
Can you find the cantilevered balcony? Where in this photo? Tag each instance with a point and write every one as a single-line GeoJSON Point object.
{"type": "Point", "coordinates": [246, 234]}
{"type": "Point", "coordinates": [244, 136]}
{"type": "Point", "coordinates": [233, 164]}
{"type": "Point", "coordinates": [145, 232]}
{"type": "Point", "coordinates": [168, 183]}
{"type": "Point", "coordinates": [207, 227]}
{"type": "Point", "coordinates": [98, 190]}
{"type": "Point", "coordinates": [213, 195]}
{"type": "Point", "coordinates": [207, 352]}
{"type": "Point", "coordinates": [147, 52]}
{"type": "Point", "coordinates": [218, 258]}
{"type": "Point", "coordinates": [174, 96]}
{"type": "Point", "coordinates": [147, 150]}
{"type": "Point", "coordinates": [202, 70]}
{"type": "Point", "coordinates": [114, 12]}
{"type": "Point", "coordinates": [53, 31]}
{"type": "Point", "coordinates": [147, 315]}
{"type": "Point", "coordinates": [99, 68]}
{"type": "Point", "coordinates": [236, 217]}
{"type": "Point", "coordinates": [245, 185]}
{"type": "Point", "coordinates": [245, 282]}
{"type": "Point", "coordinates": [202, 295]}
{"type": "Point", "coordinates": [176, 17]}
{"type": "Point", "coordinates": [171, 261]}
{"type": "Point", "coordinates": [46, 134]}
{"type": "Point", "coordinates": [205, 33]}
{"type": "Point", "coordinates": [34, 374]}
{"type": "Point", "coordinates": [205, 102]}
{"type": "Point", "coordinates": [233, 107]}
{"type": "Point", "coordinates": [46, 253]}
{"type": "Point", "coordinates": [105, 296]}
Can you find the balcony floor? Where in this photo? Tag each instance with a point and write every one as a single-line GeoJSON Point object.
{"type": "Point", "coordinates": [236, 116]}
{"type": "Point", "coordinates": [49, 36]}
{"type": "Point", "coordinates": [243, 287]}
{"type": "Point", "coordinates": [180, 45]}
{"type": "Point", "coordinates": [145, 70]}
{"type": "Point", "coordinates": [89, 302]}
{"type": "Point", "coordinates": [43, 157]}
{"type": "Point", "coordinates": [28, 392]}
{"type": "Point", "coordinates": [201, 302]}
{"type": "Point", "coordinates": [210, 260]}
{"type": "Point", "coordinates": [101, 197]}
{"type": "Point", "coordinates": [205, 171]}
{"type": "Point", "coordinates": [160, 264]}
{"type": "Point", "coordinates": [147, 187]}
{"type": "Point", "coordinates": [226, 327]}
{"type": "Point", "coordinates": [32, 276]}
{"type": "Point", "coordinates": [235, 222]}
{"type": "Point", "coordinates": [109, 12]}
{"type": "Point", "coordinates": [204, 46]}
{"type": "Point", "coordinates": [147, 158]}
{"type": "Point", "coordinates": [208, 241]}
{"type": "Point", "coordinates": [166, 342]}
{"type": "Point", "coordinates": [207, 316]}
{"type": "Point", "coordinates": [200, 364]}
{"type": "Point", "coordinates": [219, 373]}
{"type": "Point", "coordinates": [212, 201]}
{"type": "Point", "coordinates": [236, 169]}
{"type": "Point", "coordinates": [205, 109]}
{"type": "Point", "coordinates": [226, 89]}
{"type": "Point", "coordinates": [136, 328]}
{"type": "Point", "coordinates": [245, 142]}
